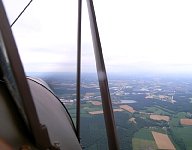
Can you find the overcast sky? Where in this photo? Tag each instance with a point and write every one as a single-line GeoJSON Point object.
{"type": "Point", "coordinates": [135, 34]}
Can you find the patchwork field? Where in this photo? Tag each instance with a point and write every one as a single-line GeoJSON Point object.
{"type": "Point", "coordinates": [158, 110]}
{"type": "Point", "coordinates": [96, 112]}
{"type": "Point", "coordinates": [186, 122]}
{"type": "Point", "coordinates": [174, 122]}
{"type": "Point", "coordinates": [140, 144]}
{"type": "Point", "coordinates": [163, 141]}
{"type": "Point", "coordinates": [96, 103]}
{"type": "Point", "coordinates": [159, 117]}
{"type": "Point", "coordinates": [145, 133]}
{"type": "Point", "coordinates": [143, 139]}
{"type": "Point", "coordinates": [101, 111]}
{"type": "Point", "coordinates": [117, 110]}
{"type": "Point", "coordinates": [127, 108]}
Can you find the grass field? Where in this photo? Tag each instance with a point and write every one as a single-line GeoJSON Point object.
{"type": "Point", "coordinates": [181, 133]}
{"type": "Point", "coordinates": [140, 144]}
{"type": "Point", "coordinates": [165, 109]}
{"type": "Point", "coordinates": [145, 133]}
{"type": "Point", "coordinates": [144, 136]}
{"type": "Point", "coordinates": [85, 108]}
{"type": "Point", "coordinates": [185, 134]}
{"type": "Point", "coordinates": [174, 122]}
{"type": "Point", "coordinates": [158, 110]}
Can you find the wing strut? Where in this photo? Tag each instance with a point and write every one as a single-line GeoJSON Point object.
{"type": "Point", "coordinates": [103, 82]}
{"type": "Point", "coordinates": [78, 94]}
{"type": "Point", "coordinates": [39, 131]}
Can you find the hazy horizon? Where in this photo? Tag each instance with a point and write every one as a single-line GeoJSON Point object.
{"type": "Point", "coordinates": [135, 35]}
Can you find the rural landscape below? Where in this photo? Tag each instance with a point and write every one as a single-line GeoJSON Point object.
{"type": "Point", "coordinates": [151, 111]}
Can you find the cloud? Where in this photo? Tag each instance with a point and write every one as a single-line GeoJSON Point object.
{"type": "Point", "coordinates": [131, 32]}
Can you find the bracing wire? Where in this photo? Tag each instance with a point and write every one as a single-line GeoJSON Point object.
{"type": "Point", "coordinates": [21, 13]}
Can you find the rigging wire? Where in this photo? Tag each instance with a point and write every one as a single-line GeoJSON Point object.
{"type": "Point", "coordinates": [21, 13]}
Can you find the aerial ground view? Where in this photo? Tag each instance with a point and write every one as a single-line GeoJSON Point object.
{"type": "Point", "coordinates": [153, 107]}
{"type": "Point", "coordinates": [151, 111]}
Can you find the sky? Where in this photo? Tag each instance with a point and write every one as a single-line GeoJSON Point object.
{"type": "Point", "coordinates": [139, 35]}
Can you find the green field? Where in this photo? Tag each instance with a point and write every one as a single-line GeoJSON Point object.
{"type": "Point", "coordinates": [184, 136]}
{"type": "Point", "coordinates": [145, 133]}
{"type": "Point", "coordinates": [158, 110]}
{"type": "Point", "coordinates": [181, 135]}
{"type": "Point", "coordinates": [140, 144]}
{"type": "Point", "coordinates": [85, 108]}
{"type": "Point", "coordinates": [165, 109]}
{"type": "Point", "coordinates": [143, 138]}
{"type": "Point", "coordinates": [174, 122]}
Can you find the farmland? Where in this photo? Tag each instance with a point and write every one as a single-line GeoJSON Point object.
{"type": "Point", "coordinates": [143, 139]}
{"type": "Point", "coordinates": [186, 122]}
{"type": "Point", "coordinates": [144, 133]}
{"type": "Point", "coordinates": [159, 117]}
{"type": "Point", "coordinates": [163, 141]}
{"type": "Point", "coordinates": [158, 110]}
{"type": "Point", "coordinates": [127, 108]}
{"type": "Point", "coordinates": [182, 137]}
{"type": "Point", "coordinates": [139, 144]}
{"type": "Point", "coordinates": [135, 115]}
{"type": "Point", "coordinates": [101, 111]}
{"type": "Point", "coordinates": [96, 103]}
